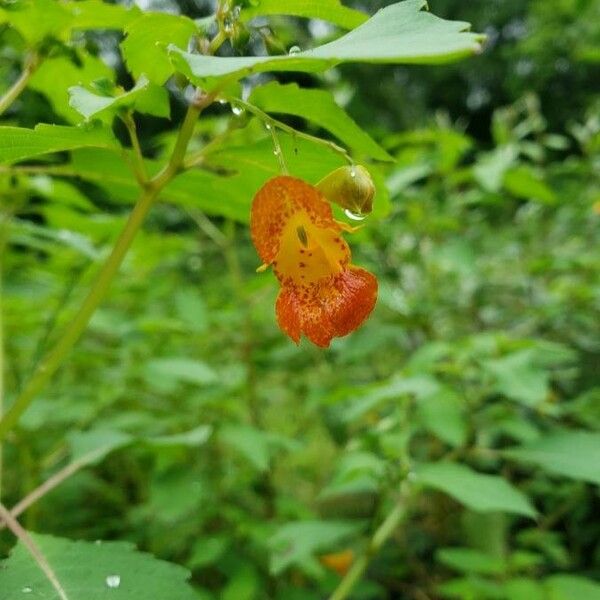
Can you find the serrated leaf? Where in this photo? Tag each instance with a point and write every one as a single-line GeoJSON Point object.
{"type": "Point", "coordinates": [318, 107]}
{"type": "Point", "coordinates": [478, 492]}
{"type": "Point", "coordinates": [144, 97]}
{"type": "Point", "coordinates": [573, 454]}
{"type": "Point", "coordinates": [141, 49]}
{"type": "Point", "coordinates": [17, 143]}
{"type": "Point", "coordinates": [295, 542]}
{"type": "Point", "coordinates": [327, 10]}
{"type": "Point", "coordinates": [94, 571]}
{"type": "Point", "coordinates": [56, 75]}
{"type": "Point", "coordinates": [400, 33]}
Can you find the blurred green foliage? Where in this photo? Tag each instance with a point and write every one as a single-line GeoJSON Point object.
{"type": "Point", "coordinates": [208, 439]}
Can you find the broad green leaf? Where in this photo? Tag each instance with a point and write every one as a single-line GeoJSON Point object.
{"type": "Point", "coordinates": [521, 588]}
{"type": "Point", "coordinates": [318, 107]}
{"type": "Point", "coordinates": [523, 182]}
{"type": "Point", "coordinates": [97, 443]}
{"type": "Point", "coordinates": [478, 492]}
{"type": "Point", "coordinates": [490, 169]}
{"type": "Point", "coordinates": [96, 14]}
{"type": "Point", "coordinates": [400, 33]}
{"type": "Point", "coordinates": [144, 97]}
{"type": "Point", "coordinates": [571, 587]}
{"type": "Point", "coordinates": [469, 560]}
{"type": "Point", "coordinates": [252, 443]}
{"type": "Point", "coordinates": [194, 437]}
{"type": "Point", "coordinates": [573, 454]}
{"type": "Point", "coordinates": [55, 76]}
{"type": "Point", "coordinates": [140, 48]}
{"type": "Point", "coordinates": [519, 377]}
{"type": "Point", "coordinates": [92, 570]}
{"type": "Point", "coordinates": [18, 143]}
{"type": "Point", "coordinates": [442, 413]}
{"type": "Point", "coordinates": [293, 543]}
{"type": "Point", "coordinates": [327, 10]}
{"type": "Point", "coordinates": [179, 369]}
{"type": "Point", "coordinates": [38, 19]}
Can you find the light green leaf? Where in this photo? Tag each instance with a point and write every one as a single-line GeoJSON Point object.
{"type": "Point", "coordinates": [442, 413]}
{"type": "Point", "coordinates": [524, 182]}
{"type": "Point", "coordinates": [55, 76]}
{"type": "Point", "coordinates": [327, 10]}
{"type": "Point", "coordinates": [97, 442]}
{"type": "Point", "coordinates": [519, 377]}
{"type": "Point", "coordinates": [400, 33]}
{"type": "Point", "coordinates": [141, 49]}
{"type": "Point", "coordinates": [184, 370]}
{"type": "Point", "coordinates": [18, 143]}
{"type": "Point", "coordinates": [94, 571]}
{"type": "Point", "coordinates": [144, 97]}
{"type": "Point", "coordinates": [293, 543]}
{"type": "Point", "coordinates": [96, 14]}
{"type": "Point", "coordinates": [573, 454]}
{"type": "Point", "coordinates": [571, 587]}
{"type": "Point", "coordinates": [252, 443]}
{"type": "Point", "coordinates": [469, 560]}
{"type": "Point", "coordinates": [320, 108]}
{"type": "Point", "coordinates": [521, 588]}
{"type": "Point", "coordinates": [484, 493]}
{"type": "Point", "coordinates": [194, 437]}
{"type": "Point", "coordinates": [38, 19]}
{"type": "Point", "coordinates": [491, 167]}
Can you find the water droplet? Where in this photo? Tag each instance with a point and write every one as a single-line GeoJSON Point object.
{"type": "Point", "coordinates": [294, 50]}
{"type": "Point", "coordinates": [354, 216]}
{"type": "Point", "coordinates": [268, 126]}
{"type": "Point", "coordinates": [113, 581]}
{"type": "Point", "coordinates": [353, 173]}
{"type": "Point", "coordinates": [237, 110]}
{"type": "Point", "coordinates": [27, 590]}
{"type": "Point", "coordinates": [222, 101]}
{"type": "Point", "coordinates": [276, 152]}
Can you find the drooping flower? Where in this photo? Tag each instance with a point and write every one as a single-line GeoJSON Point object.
{"type": "Point", "coordinates": [322, 294]}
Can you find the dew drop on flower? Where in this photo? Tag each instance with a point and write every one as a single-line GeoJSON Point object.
{"type": "Point", "coordinates": [354, 216]}
{"type": "Point", "coordinates": [113, 581]}
{"type": "Point", "coordinates": [294, 50]}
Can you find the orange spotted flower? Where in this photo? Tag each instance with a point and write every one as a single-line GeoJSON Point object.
{"type": "Point", "coordinates": [322, 295]}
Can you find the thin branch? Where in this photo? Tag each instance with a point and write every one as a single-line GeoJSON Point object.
{"type": "Point", "coordinates": [34, 550]}
{"type": "Point", "coordinates": [139, 168]}
{"type": "Point", "coordinates": [31, 64]}
{"type": "Point", "coordinates": [269, 120]}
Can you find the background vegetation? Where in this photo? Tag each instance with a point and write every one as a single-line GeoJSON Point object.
{"type": "Point", "coordinates": [451, 446]}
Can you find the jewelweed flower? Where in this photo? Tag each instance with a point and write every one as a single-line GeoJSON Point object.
{"type": "Point", "coordinates": [322, 294]}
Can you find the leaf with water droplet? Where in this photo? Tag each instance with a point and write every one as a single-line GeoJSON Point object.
{"type": "Point", "coordinates": [294, 50]}
{"type": "Point", "coordinates": [113, 581]}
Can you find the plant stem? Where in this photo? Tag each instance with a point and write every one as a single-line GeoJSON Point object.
{"type": "Point", "coordinates": [31, 64]}
{"type": "Point", "coordinates": [381, 535]}
{"type": "Point", "coordinates": [263, 116]}
{"type": "Point", "coordinates": [139, 168]}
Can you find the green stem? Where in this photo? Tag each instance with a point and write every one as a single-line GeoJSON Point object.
{"type": "Point", "coordinates": [20, 84]}
{"type": "Point", "coordinates": [381, 535]}
{"type": "Point", "coordinates": [268, 119]}
{"type": "Point", "coordinates": [139, 168]}
{"type": "Point", "coordinates": [54, 358]}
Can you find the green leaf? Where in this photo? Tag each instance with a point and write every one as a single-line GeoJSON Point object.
{"type": "Point", "coordinates": [144, 97]}
{"type": "Point", "coordinates": [571, 587]}
{"type": "Point", "coordinates": [293, 543]}
{"type": "Point", "coordinates": [96, 14]}
{"type": "Point", "coordinates": [442, 413]}
{"type": "Point", "coordinates": [491, 167]}
{"type": "Point", "coordinates": [252, 443]}
{"type": "Point", "coordinates": [38, 19]}
{"type": "Point", "coordinates": [469, 560]}
{"type": "Point", "coordinates": [194, 437]}
{"type": "Point", "coordinates": [94, 571]}
{"type": "Point", "coordinates": [525, 183]}
{"type": "Point", "coordinates": [141, 49]}
{"type": "Point", "coordinates": [327, 10]}
{"type": "Point", "coordinates": [484, 493]}
{"type": "Point", "coordinates": [400, 33]}
{"type": "Point", "coordinates": [55, 76]}
{"type": "Point", "coordinates": [320, 108]}
{"type": "Point", "coordinates": [18, 143]}
{"type": "Point", "coordinates": [573, 454]}
{"type": "Point", "coordinates": [97, 442]}
{"type": "Point", "coordinates": [519, 377]}
{"type": "Point", "coordinates": [183, 370]}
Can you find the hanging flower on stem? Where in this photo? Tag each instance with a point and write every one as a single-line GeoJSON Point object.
{"type": "Point", "coordinates": [322, 294]}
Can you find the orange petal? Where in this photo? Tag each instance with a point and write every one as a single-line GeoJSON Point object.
{"type": "Point", "coordinates": [280, 199]}
{"type": "Point", "coordinates": [333, 307]}
{"type": "Point", "coordinates": [340, 562]}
